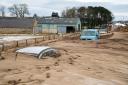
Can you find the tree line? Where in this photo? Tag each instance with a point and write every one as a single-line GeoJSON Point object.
{"type": "Point", "coordinates": [17, 10]}
{"type": "Point", "coordinates": [90, 16]}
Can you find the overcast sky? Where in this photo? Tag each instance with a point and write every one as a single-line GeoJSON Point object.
{"type": "Point", "coordinates": [44, 7]}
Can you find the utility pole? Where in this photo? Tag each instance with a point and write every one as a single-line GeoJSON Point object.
{"type": "Point", "coordinates": [34, 25]}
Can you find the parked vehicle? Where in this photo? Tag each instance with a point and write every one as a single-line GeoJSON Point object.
{"type": "Point", "coordinates": [90, 34]}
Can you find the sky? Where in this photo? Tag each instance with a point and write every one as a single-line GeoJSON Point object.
{"type": "Point", "coordinates": [119, 8]}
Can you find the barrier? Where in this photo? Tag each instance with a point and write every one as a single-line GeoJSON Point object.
{"type": "Point", "coordinates": [33, 41]}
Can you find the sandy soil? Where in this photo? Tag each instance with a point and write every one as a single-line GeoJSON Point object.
{"type": "Point", "coordinates": [80, 63]}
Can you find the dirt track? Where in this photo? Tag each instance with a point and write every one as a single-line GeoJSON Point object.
{"type": "Point", "coordinates": [80, 63]}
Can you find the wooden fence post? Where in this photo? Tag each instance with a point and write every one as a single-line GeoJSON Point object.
{"type": "Point", "coordinates": [35, 41]}
{"type": "Point", "coordinates": [54, 36]}
{"type": "Point", "coordinates": [43, 38]}
{"type": "Point", "coordinates": [17, 44]}
{"type": "Point", "coordinates": [48, 37]}
{"type": "Point", "coordinates": [26, 43]}
{"type": "Point", "coordinates": [62, 36]}
{"type": "Point", "coordinates": [58, 36]}
{"type": "Point", "coordinates": [1, 52]}
{"type": "Point", "coordinates": [2, 48]}
{"type": "Point", "coordinates": [51, 37]}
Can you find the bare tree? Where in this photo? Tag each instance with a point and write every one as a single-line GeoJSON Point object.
{"type": "Point", "coordinates": [70, 12]}
{"type": "Point", "coordinates": [14, 10]}
{"type": "Point", "coordinates": [23, 9]}
{"type": "Point", "coordinates": [19, 10]}
{"type": "Point", "coordinates": [2, 10]}
{"type": "Point", "coordinates": [63, 13]}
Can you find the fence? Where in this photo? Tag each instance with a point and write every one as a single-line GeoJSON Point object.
{"type": "Point", "coordinates": [33, 41]}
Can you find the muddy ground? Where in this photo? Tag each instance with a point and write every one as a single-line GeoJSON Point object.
{"type": "Point", "coordinates": [80, 63]}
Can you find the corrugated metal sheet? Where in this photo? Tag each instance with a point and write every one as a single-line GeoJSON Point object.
{"type": "Point", "coordinates": [58, 20]}
{"type": "Point", "coordinates": [16, 22]}
{"type": "Point", "coordinates": [62, 29]}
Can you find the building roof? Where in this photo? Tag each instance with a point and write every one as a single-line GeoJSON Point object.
{"type": "Point", "coordinates": [53, 20]}
{"type": "Point", "coordinates": [13, 22]}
